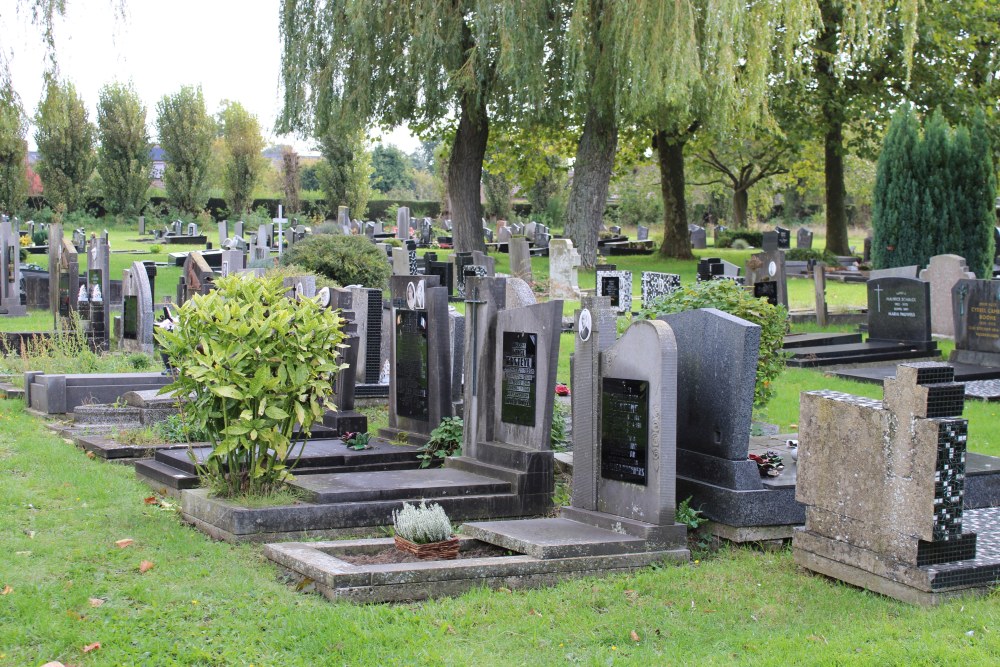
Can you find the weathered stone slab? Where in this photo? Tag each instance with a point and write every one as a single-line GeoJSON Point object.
{"type": "Point", "coordinates": [943, 272]}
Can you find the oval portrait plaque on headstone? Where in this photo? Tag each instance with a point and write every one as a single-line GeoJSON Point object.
{"type": "Point", "coordinates": [586, 325]}
{"type": "Point", "coordinates": [772, 269]}
{"type": "Point", "coordinates": [324, 297]}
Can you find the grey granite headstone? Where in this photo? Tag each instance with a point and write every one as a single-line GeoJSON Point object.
{"type": "Point", "coordinates": [519, 293]}
{"type": "Point", "coordinates": [895, 272]}
{"type": "Point", "coordinates": [403, 223]}
{"type": "Point", "coordinates": [401, 262]}
{"type": "Point", "coordinates": [527, 355]}
{"type": "Point", "coordinates": [484, 299]}
{"type": "Point", "coordinates": [942, 273]}
{"type": "Point", "coordinates": [137, 308]}
{"type": "Point", "coordinates": [10, 270]}
{"type": "Point", "coordinates": [520, 259]}
{"type": "Point", "coordinates": [699, 239]}
{"type": "Point", "coordinates": [642, 233]}
{"type": "Point", "coordinates": [564, 261]}
{"type": "Point", "coordinates": [367, 306]}
{"type": "Point", "coordinates": [804, 239]}
{"type": "Point", "coordinates": [223, 231]}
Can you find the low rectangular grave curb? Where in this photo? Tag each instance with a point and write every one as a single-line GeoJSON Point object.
{"type": "Point", "coordinates": [340, 580]}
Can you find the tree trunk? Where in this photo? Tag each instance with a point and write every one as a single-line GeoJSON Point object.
{"type": "Point", "coordinates": [465, 173]}
{"type": "Point", "coordinates": [836, 210]}
{"type": "Point", "coordinates": [670, 155]}
{"type": "Point", "coordinates": [588, 196]}
{"type": "Point", "coordinates": [741, 201]}
{"type": "Point", "coordinates": [831, 103]}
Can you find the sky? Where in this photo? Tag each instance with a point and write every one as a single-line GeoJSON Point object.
{"type": "Point", "coordinates": [232, 48]}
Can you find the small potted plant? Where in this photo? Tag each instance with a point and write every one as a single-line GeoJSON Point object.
{"type": "Point", "coordinates": [425, 532]}
{"type": "Point", "coordinates": [356, 440]}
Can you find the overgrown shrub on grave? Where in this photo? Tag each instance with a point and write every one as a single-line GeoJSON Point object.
{"type": "Point", "coordinates": [726, 238]}
{"type": "Point", "coordinates": [254, 363]}
{"type": "Point", "coordinates": [727, 296]}
{"type": "Point", "coordinates": [348, 260]}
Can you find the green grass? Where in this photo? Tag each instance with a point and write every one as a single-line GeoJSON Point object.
{"type": "Point", "coordinates": [210, 603]}
{"type": "Point", "coordinates": [35, 320]}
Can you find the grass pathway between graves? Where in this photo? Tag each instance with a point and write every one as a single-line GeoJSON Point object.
{"type": "Point", "coordinates": [208, 603]}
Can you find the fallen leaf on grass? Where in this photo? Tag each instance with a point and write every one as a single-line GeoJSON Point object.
{"type": "Point", "coordinates": [121, 544]}
{"type": "Point", "coordinates": [7, 590]}
{"type": "Point", "coordinates": [533, 613]}
{"type": "Point", "coordinates": [96, 602]}
{"type": "Point", "coordinates": [634, 635]}
{"type": "Point", "coordinates": [450, 630]}
{"type": "Point", "coordinates": [151, 500]}
{"type": "Point", "coordinates": [91, 455]}
{"type": "Point", "coordinates": [145, 566]}
{"type": "Point", "coordinates": [91, 647]}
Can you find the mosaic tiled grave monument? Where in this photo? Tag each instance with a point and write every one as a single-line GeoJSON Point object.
{"type": "Point", "coordinates": [883, 483]}
{"type": "Point", "coordinates": [622, 516]}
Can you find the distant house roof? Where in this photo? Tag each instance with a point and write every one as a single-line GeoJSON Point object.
{"type": "Point", "coordinates": [156, 154]}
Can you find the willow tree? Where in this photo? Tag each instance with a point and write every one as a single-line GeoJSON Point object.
{"type": "Point", "coordinates": [426, 63]}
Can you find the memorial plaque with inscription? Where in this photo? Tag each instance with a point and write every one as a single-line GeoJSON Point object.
{"type": "Point", "coordinates": [611, 286]}
{"type": "Point", "coordinates": [899, 310]}
{"type": "Point", "coordinates": [624, 430]}
{"type": "Point", "coordinates": [520, 368]}
{"type": "Point", "coordinates": [412, 399]}
{"type": "Point", "coordinates": [130, 317]}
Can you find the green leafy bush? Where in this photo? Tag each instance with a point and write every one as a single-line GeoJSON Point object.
{"type": "Point", "coordinates": [726, 238]}
{"type": "Point", "coordinates": [252, 364]}
{"type": "Point", "coordinates": [727, 296]}
{"type": "Point", "coordinates": [178, 428]}
{"type": "Point", "coordinates": [806, 254]}
{"type": "Point", "coordinates": [558, 437]}
{"type": "Point", "coordinates": [348, 260]}
{"type": "Point", "coordinates": [445, 441]}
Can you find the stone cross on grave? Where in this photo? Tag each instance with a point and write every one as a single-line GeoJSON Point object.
{"type": "Point", "coordinates": [280, 221]}
{"type": "Point", "coordinates": [878, 295]}
{"type": "Point", "coordinates": [963, 294]}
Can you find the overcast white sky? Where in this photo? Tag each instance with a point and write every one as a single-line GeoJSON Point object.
{"type": "Point", "coordinates": [231, 48]}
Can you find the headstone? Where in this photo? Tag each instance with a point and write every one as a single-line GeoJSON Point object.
{"type": "Point", "coordinates": [420, 380]}
{"type": "Point", "coordinates": [192, 229]}
{"type": "Point", "coordinates": [238, 229]}
{"type": "Point", "coordinates": [616, 230]}
{"type": "Point", "coordinates": [137, 307]}
{"type": "Point", "coordinates": [699, 239]}
{"type": "Point", "coordinates": [68, 282]}
{"type": "Point", "coordinates": [401, 262]}
{"type": "Point", "coordinates": [642, 234]}
{"type": "Point", "coordinates": [519, 293]}
{"type": "Point", "coordinates": [564, 262]}
{"type": "Point", "coordinates": [142, 225]}
{"type": "Point", "coordinates": [233, 261]}
{"type": "Point", "coordinates": [223, 232]}
{"type": "Point", "coordinates": [765, 272]}
{"type": "Point", "coordinates": [480, 258]}
{"type": "Point", "coordinates": [403, 223]}
{"type": "Point", "coordinates": [484, 298]}
{"type": "Point", "coordinates": [367, 306]}
{"type": "Point", "coordinates": [895, 272]}
{"type": "Point", "coordinates": [461, 260]}
{"type": "Point", "coordinates": [866, 256]}
{"type": "Point", "coordinates": [976, 317]}
{"type": "Point", "coordinates": [96, 310]}
{"type": "Point", "coordinates": [529, 230]}
{"type": "Point", "coordinates": [942, 273]}
{"type": "Point", "coordinates": [197, 277]}
{"type": "Point", "coordinates": [618, 286]}
{"type": "Point", "coordinates": [784, 238]}
{"type": "Point", "coordinates": [804, 239]}
{"type": "Point", "coordinates": [899, 310]}
{"type": "Point", "coordinates": [445, 271]}
{"type": "Point", "coordinates": [55, 249]}
{"type": "Point", "coordinates": [488, 234]}
{"type": "Point", "coordinates": [520, 259]}
{"type": "Point", "coordinates": [717, 372]}
{"type": "Point", "coordinates": [656, 285]}
{"type": "Point", "coordinates": [503, 235]}
{"type": "Point", "coordinates": [883, 483]}
{"type": "Point", "coordinates": [10, 270]}
{"type": "Point", "coordinates": [280, 221]}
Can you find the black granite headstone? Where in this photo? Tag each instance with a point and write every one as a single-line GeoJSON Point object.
{"type": "Point", "coordinates": [611, 286]}
{"type": "Point", "coordinates": [520, 365]}
{"type": "Point", "coordinates": [976, 310]}
{"type": "Point", "coordinates": [412, 399]}
{"type": "Point", "coordinates": [784, 238]}
{"type": "Point", "coordinates": [899, 310]}
{"type": "Point", "coordinates": [130, 317]}
{"type": "Point", "coordinates": [624, 430]}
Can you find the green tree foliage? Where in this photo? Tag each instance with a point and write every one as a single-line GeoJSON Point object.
{"type": "Point", "coordinates": [13, 151]}
{"type": "Point", "coordinates": [186, 132]}
{"type": "Point", "coordinates": [423, 62]}
{"type": "Point", "coordinates": [344, 175]}
{"type": "Point", "coordinates": [244, 162]}
{"type": "Point", "coordinates": [65, 139]}
{"type": "Point", "coordinates": [348, 260]}
{"type": "Point", "coordinates": [391, 169]}
{"type": "Point", "coordinates": [727, 296]}
{"type": "Point", "coordinates": [496, 189]}
{"type": "Point", "coordinates": [308, 177]}
{"type": "Point", "coordinates": [123, 159]}
{"type": "Point", "coordinates": [253, 364]}
{"type": "Point", "coordinates": [934, 193]}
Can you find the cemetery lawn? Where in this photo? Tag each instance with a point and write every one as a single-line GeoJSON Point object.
{"type": "Point", "coordinates": [65, 585]}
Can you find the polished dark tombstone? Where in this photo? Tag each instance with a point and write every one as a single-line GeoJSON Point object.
{"type": "Point", "coordinates": [419, 365]}
{"type": "Point", "coordinates": [899, 310]}
{"type": "Point", "coordinates": [976, 311]}
{"type": "Point", "coordinates": [767, 290]}
{"type": "Point", "coordinates": [624, 430]}
{"type": "Point", "coordinates": [519, 377]}
{"type": "Point", "coordinates": [784, 238]}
